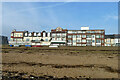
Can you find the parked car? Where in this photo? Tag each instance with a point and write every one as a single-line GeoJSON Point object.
{"type": "Point", "coordinates": [11, 45]}
{"type": "Point", "coordinates": [28, 46]}
{"type": "Point", "coordinates": [53, 46]}
{"type": "Point", "coordinates": [16, 45]}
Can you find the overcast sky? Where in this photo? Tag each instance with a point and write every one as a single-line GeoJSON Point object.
{"type": "Point", "coordinates": [38, 16]}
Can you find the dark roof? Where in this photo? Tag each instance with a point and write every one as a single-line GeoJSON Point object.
{"type": "Point", "coordinates": [112, 36]}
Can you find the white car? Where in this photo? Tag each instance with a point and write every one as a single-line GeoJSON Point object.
{"type": "Point", "coordinates": [16, 45]}
{"type": "Point", "coordinates": [53, 46]}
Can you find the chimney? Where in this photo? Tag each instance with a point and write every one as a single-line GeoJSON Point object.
{"type": "Point", "coordinates": [14, 30]}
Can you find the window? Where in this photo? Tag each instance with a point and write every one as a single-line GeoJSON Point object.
{"type": "Point", "coordinates": [98, 41]}
{"type": "Point", "coordinates": [27, 39]}
{"type": "Point", "coordinates": [93, 36]}
{"type": "Point", "coordinates": [79, 31]}
{"type": "Point", "coordinates": [20, 35]}
{"type": "Point", "coordinates": [11, 39]}
{"type": "Point", "coordinates": [15, 35]}
{"type": "Point", "coordinates": [83, 32]}
{"type": "Point", "coordinates": [83, 40]}
{"type": "Point", "coordinates": [35, 34]}
{"type": "Point", "coordinates": [30, 34]}
{"type": "Point", "coordinates": [87, 31]}
{"type": "Point", "coordinates": [118, 40]}
{"type": "Point", "coordinates": [39, 34]}
{"type": "Point", "coordinates": [14, 39]}
{"type": "Point", "coordinates": [48, 34]}
{"type": "Point", "coordinates": [102, 36]}
{"type": "Point", "coordinates": [53, 38]}
{"type": "Point", "coordinates": [83, 44]}
{"type": "Point", "coordinates": [83, 36]}
{"type": "Point", "coordinates": [78, 36]}
{"type": "Point", "coordinates": [69, 31]}
{"type": "Point", "coordinates": [92, 31]}
{"type": "Point", "coordinates": [102, 31]}
{"type": "Point", "coordinates": [53, 35]}
{"type": "Point", "coordinates": [78, 44]}
{"type": "Point", "coordinates": [78, 40]}
{"type": "Point", "coordinates": [97, 31]}
{"type": "Point", "coordinates": [25, 34]}
{"type": "Point", "coordinates": [44, 34]}
{"type": "Point", "coordinates": [58, 34]}
{"type": "Point", "coordinates": [69, 41]}
{"type": "Point", "coordinates": [58, 39]}
{"type": "Point", "coordinates": [74, 41]}
{"type": "Point", "coordinates": [63, 35]}
{"type": "Point", "coordinates": [36, 40]}
{"type": "Point", "coordinates": [19, 39]}
{"type": "Point", "coordinates": [63, 39]}
{"type": "Point", "coordinates": [74, 36]}
{"type": "Point", "coordinates": [69, 36]}
{"type": "Point", "coordinates": [46, 40]}
{"type": "Point", "coordinates": [93, 41]}
{"type": "Point", "coordinates": [88, 41]}
{"type": "Point", "coordinates": [89, 36]}
{"type": "Point", "coordinates": [98, 36]}
{"type": "Point", "coordinates": [102, 41]}
{"type": "Point", "coordinates": [88, 44]}
{"type": "Point", "coordinates": [74, 32]}
{"type": "Point", "coordinates": [108, 40]}
{"type": "Point", "coordinates": [69, 45]}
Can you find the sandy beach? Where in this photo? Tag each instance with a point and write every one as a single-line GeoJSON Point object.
{"type": "Point", "coordinates": [75, 62]}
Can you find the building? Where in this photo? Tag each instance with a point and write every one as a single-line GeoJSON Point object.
{"type": "Point", "coordinates": [85, 37]}
{"type": "Point", "coordinates": [30, 38]}
{"type": "Point", "coordinates": [112, 40]}
{"type": "Point", "coordinates": [3, 40]}
{"type": "Point", "coordinates": [60, 37]}
{"type": "Point", "coordinates": [17, 37]}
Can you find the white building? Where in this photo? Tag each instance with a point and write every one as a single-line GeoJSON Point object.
{"type": "Point", "coordinates": [112, 40]}
{"type": "Point", "coordinates": [30, 38]}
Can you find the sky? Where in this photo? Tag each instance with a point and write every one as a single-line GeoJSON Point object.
{"type": "Point", "coordinates": [39, 16]}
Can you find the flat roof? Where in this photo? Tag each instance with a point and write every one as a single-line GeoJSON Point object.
{"type": "Point", "coordinates": [112, 36]}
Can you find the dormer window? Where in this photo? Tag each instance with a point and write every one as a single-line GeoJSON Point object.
{"type": "Point", "coordinates": [44, 34]}
{"type": "Point", "coordinates": [48, 35]}
{"type": "Point", "coordinates": [35, 34]}
{"type": "Point", "coordinates": [30, 34]}
{"type": "Point", "coordinates": [39, 34]}
{"type": "Point", "coordinates": [26, 34]}
{"type": "Point", "coordinates": [58, 29]}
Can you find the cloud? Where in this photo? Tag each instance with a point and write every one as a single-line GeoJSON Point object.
{"type": "Point", "coordinates": [109, 17]}
{"type": "Point", "coordinates": [35, 8]}
{"type": "Point", "coordinates": [27, 18]}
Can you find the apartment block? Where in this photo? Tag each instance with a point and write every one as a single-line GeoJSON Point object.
{"type": "Point", "coordinates": [85, 37]}
{"type": "Point", "coordinates": [59, 36]}
{"type": "Point", "coordinates": [112, 40]}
